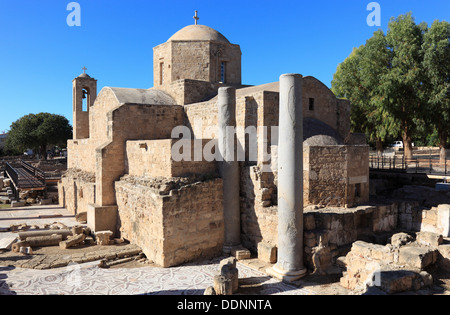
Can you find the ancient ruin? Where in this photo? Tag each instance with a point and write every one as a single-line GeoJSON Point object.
{"type": "Point", "coordinates": [200, 165]}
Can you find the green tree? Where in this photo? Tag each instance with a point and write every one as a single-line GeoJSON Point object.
{"type": "Point", "coordinates": [358, 79]}
{"type": "Point", "coordinates": [436, 64]}
{"type": "Point", "coordinates": [402, 85]}
{"type": "Point", "coordinates": [38, 132]}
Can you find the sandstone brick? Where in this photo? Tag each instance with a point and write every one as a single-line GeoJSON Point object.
{"type": "Point", "coordinates": [417, 257]}
{"type": "Point", "coordinates": [267, 252]}
{"type": "Point", "coordinates": [429, 238]}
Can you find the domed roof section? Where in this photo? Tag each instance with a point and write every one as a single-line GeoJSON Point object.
{"type": "Point", "coordinates": [318, 133]}
{"type": "Point", "coordinates": [198, 33]}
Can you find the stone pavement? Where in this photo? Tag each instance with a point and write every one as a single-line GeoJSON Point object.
{"type": "Point", "coordinates": [89, 279]}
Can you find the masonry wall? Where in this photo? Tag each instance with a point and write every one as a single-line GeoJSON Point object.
{"type": "Point", "coordinates": [171, 227]}
{"type": "Point", "coordinates": [153, 158]}
{"type": "Point", "coordinates": [76, 190]}
{"type": "Point", "coordinates": [336, 175]}
{"type": "Point", "coordinates": [130, 122]}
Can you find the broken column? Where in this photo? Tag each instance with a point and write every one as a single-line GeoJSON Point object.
{"type": "Point", "coordinates": [289, 266]}
{"type": "Point", "coordinates": [229, 167]}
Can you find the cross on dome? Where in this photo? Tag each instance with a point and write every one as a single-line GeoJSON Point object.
{"type": "Point", "coordinates": [196, 18]}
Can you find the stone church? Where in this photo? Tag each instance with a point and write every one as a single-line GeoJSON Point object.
{"type": "Point", "coordinates": [122, 173]}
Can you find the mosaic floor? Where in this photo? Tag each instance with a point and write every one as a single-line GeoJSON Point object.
{"type": "Point", "coordinates": [88, 279]}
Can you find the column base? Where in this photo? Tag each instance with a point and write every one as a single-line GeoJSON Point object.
{"type": "Point", "coordinates": [285, 276]}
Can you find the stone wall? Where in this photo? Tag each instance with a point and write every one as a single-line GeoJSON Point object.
{"type": "Point", "coordinates": [336, 175]}
{"type": "Point", "coordinates": [147, 122]}
{"type": "Point", "coordinates": [259, 216]}
{"type": "Point", "coordinates": [196, 60]}
{"type": "Point", "coordinates": [153, 158]}
{"type": "Point", "coordinates": [165, 219]}
{"type": "Point", "coordinates": [76, 190]}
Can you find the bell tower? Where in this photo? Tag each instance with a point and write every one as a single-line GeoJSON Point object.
{"type": "Point", "coordinates": [84, 94]}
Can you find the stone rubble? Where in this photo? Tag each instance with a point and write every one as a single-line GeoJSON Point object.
{"type": "Point", "coordinates": [396, 267]}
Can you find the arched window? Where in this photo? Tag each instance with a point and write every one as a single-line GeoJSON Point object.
{"type": "Point", "coordinates": [85, 99]}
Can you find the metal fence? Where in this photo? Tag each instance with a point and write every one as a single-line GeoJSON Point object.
{"type": "Point", "coordinates": [417, 165]}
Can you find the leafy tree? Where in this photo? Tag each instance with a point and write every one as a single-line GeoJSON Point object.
{"type": "Point", "coordinates": [358, 79]}
{"type": "Point", "coordinates": [402, 84]}
{"type": "Point", "coordinates": [37, 132]}
{"type": "Point", "coordinates": [436, 63]}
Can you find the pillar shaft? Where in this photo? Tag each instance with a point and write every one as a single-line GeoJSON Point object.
{"type": "Point", "coordinates": [290, 179]}
{"type": "Point", "coordinates": [229, 167]}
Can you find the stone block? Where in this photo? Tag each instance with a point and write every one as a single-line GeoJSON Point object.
{"type": "Point", "coordinates": [103, 237]}
{"type": "Point", "coordinates": [444, 256]}
{"type": "Point", "coordinates": [429, 239]}
{"type": "Point", "coordinates": [395, 281]}
{"type": "Point", "coordinates": [400, 239]}
{"type": "Point", "coordinates": [417, 257]}
{"type": "Point", "coordinates": [267, 252]}
{"type": "Point", "coordinates": [102, 218]}
{"type": "Point", "coordinates": [81, 217]}
{"type": "Point", "coordinates": [240, 253]}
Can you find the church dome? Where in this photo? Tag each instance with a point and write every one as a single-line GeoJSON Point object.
{"type": "Point", "coordinates": [198, 33]}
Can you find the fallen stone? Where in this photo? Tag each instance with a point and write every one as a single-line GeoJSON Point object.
{"type": "Point", "coordinates": [103, 237]}
{"type": "Point", "coordinates": [429, 239]}
{"type": "Point", "coordinates": [240, 253]}
{"type": "Point", "coordinates": [400, 239]}
{"type": "Point", "coordinates": [15, 247]}
{"type": "Point", "coordinates": [56, 225]}
{"type": "Point", "coordinates": [417, 257]}
{"type": "Point", "coordinates": [77, 229]}
{"type": "Point", "coordinates": [444, 256]}
{"type": "Point", "coordinates": [81, 217]}
{"type": "Point", "coordinates": [395, 281]}
{"type": "Point", "coordinates": [72, 241]}
{"type": "Point", "coordinates": [24, 235]}
{"type": "Point", "coordinates": [43, 241]}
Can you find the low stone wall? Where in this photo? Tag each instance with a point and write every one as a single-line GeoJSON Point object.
{"type": "Point", "coordinates": [76, 190]}
{"type": "Point", "coordinates": [173, 222]}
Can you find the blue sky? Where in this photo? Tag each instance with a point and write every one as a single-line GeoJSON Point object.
{"type": "Point", "coordinates": [40, 54]}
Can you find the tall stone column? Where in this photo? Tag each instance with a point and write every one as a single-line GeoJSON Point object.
{"type": "Point", "coordinates": [289, 266]}
{"type": "Point", "coordinates": [229, 167]}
